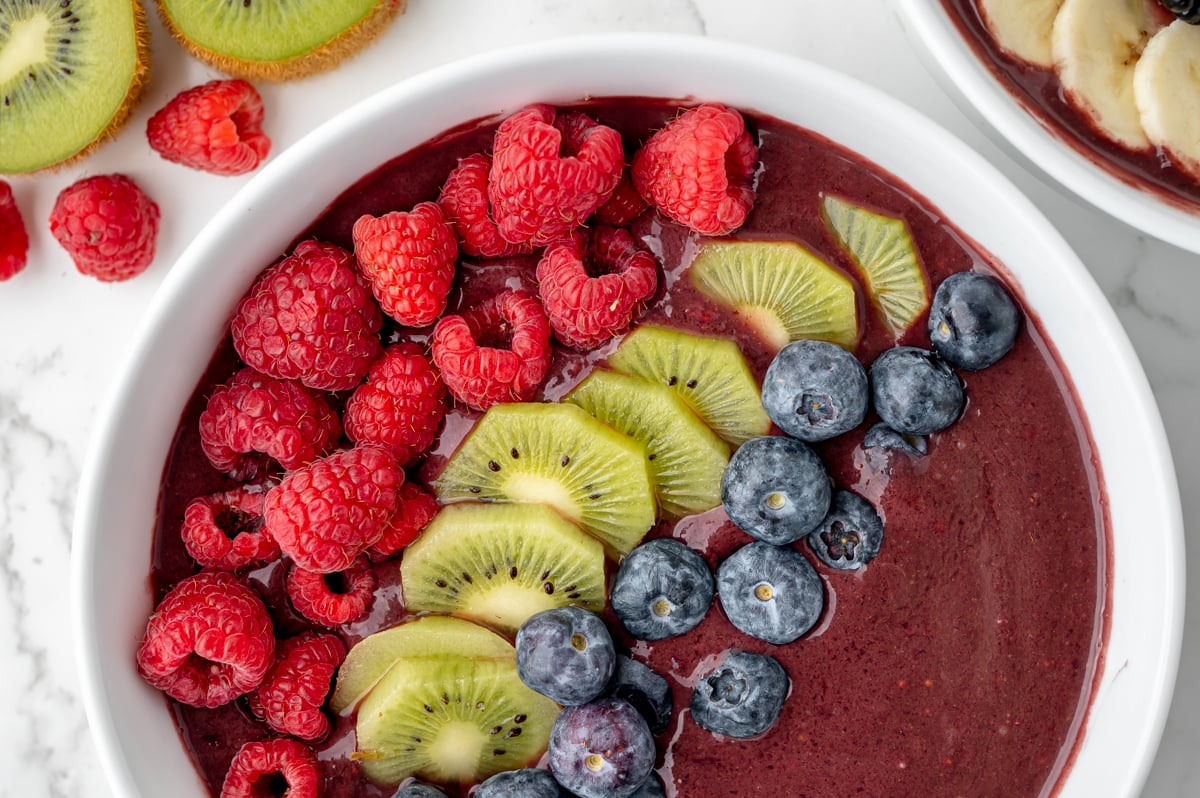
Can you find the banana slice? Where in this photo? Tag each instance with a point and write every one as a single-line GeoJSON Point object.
{"type": "Point", "coordinates": [1166, 86]}
{"type": "Point", "coordinates": [1096, 45]}
{"type": "Point", "coordinates": [1022, 27]}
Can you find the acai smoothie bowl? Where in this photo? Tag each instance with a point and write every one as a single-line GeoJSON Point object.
{"type": "Point", "coordinates": [629, 416]}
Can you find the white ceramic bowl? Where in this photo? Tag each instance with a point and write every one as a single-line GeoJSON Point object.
{"type": "Point", "coordinates": [134, 732]}
{"type": "Point", "coordinates": [987, 101]}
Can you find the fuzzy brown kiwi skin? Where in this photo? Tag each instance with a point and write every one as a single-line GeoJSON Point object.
{"type": "Point", "coordinates": [319, 59]}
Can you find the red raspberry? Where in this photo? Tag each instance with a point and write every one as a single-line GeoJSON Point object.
{"type": "Point", "coordinates": [496, 352]}
{"type": "Point", "coordinates": [625, 204]}
{"type": "Point", "coordinates": [275, 419]}
{"type": "Point", "coordinates": [699, 169]}
{"type": "Point", "coordinates": [332, 599]}
{"type": "Point", "coordinates": [216, 127]}
{"type": "Point", "coordinates": [327, 513]}
{"type": "Point", "coordinates": [255, 766]}
{"type": "Point", "coordinates": [549, 175]}
{"type": "Point", "coordinates": [417, 508]}
{"type": "Point", "coordinates": [401, 404]}
{"type": "Point", "coordinates": [224, 530]}
{"type": "Point", "coordinates": [292, 694]}
{"type": "Point", "coordinates": [464, 200]}
{"type": "Point", "coordinates": [310, 318]}
{"type": "Point", "coordinates": [594, 297]}
{"type": "Point", "coordinates": [209, 641]}
{"type": "Point", "coordinates": [14, 241]}
{"type": "Point", "coordinates": [409, 259]}
{"type": "Point", "coordinates": [107, 225]}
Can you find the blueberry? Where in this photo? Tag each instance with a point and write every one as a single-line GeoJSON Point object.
{"type": "Point", "coordinates": [973, 320]}
{"type": "Point", "coordinates": [884, 437]}
{"type": "Point", "coordinates": [815, 390]}
{"type": "Point", "coordinates": [648, 692]}
{"type": "Point", "coordinates": [524, 783]}
{"type": "Point", "coordinates": [775, 489]}
{"type": "Point", "coordinates": [601, 750]}
{"type": "Point", "coordinates": [651, 788]}
{"type": "Point", "coordinates": [914, 391]}
{"type": "Point", "coordinates": [770, 592]}
{"type": "Point", "coordinates": [415, 790]}
{"type": "Point", "coordinates": [566, 654]}
{"type": "Point", "coordinates": [742, 696]}
{"type": "Point", "coordinates": [662, 588]}
{"type": "Point", "coordinates": [1187, 10]}
{"type": "Point", "coordinates": [850, 536]}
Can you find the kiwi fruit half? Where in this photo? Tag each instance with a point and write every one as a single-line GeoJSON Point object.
{"type": "Point", "coordinates": [686, 458]}
{"type": "Point", "coordinates": [498, 564]}
{"type": "Point", "coordinates": [70, 73]}
{"type": "Point", "coordinates": [275, 39]}
{"type": "Point", "coordinates": [556, 454]}
{"type": "Point", "coordinates": [709, 374]}
{"type": "Point", "coordinates": [780, 289]}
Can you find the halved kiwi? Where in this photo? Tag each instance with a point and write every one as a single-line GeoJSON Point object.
{"type": "Point", "coordinates": [275, 39]}
{"type": "Point", "coordinates": [498, 564]}
{"type": "Point", "coordinates": [70, 73]}
{"type": "Point", "coordinates": [686, 458]}
{"type": "Point", "coordinates": [779, 287]}
{"type": "Point", "coordinates": [556, 454]}
{"type": "Point", "coordinates": [710, 374]}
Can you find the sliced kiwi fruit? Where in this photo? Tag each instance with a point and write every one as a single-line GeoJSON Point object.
{"type": "Point", "coordinates": [686, 458]}
{"type": "Point", "coordinates": [710, 374]}
{"type": "Point", "coordinates": [70, 73]}
{"type": "Point", "coordinates": [453, 721]}
{"type": "Point", "coordinates": [882, 248]}
{"type": "Point", "coordinates": [429, 636]}
{"type": "Point", "coordinates": [781, 289]}
{"type": "Point", "coordinates": [275, 39]}
{"type": "Point", "coordinates": [558, 455]}
{"type": "Point", "coordinates": [498, 564]}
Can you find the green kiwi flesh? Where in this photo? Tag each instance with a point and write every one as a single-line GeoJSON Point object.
{"type": "Point", "coordinates": [70, 70]}
{"type": "Point", "coordinates": [558, 455]}
{"type": "Point", "coordinates": [710, 374]}
{"type": "Point", "coordinates": [686, 458]}
{"type": "Point", "coordinates": [498, 564]}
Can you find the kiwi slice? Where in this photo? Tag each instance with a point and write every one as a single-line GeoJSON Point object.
{"type": "Point", "coordinates": [453, 721]}
{"type": "Point", "coordinates": [500, 563]}
{"type": "Point", "coordinates": [275, 39]}
{"type": "Point", "coordinates": [780, 288]}
{"type": "Point", "coordinates": [883, 250]}
{"type": "Point", "coordinates": [709, 374]}
{"type": "Point", "coordinates": [686, 458]}
{"type": "Point", "coordinates": [430, 636]}
{"type": "Point", "coordinates": [558, 455]}
{"type": "Point", "coordinates": [70, 73]}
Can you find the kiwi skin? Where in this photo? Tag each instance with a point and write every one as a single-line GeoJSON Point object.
{"type": "Point", "coordinates": [319, 59]}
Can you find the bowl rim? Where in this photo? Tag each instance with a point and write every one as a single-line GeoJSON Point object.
{"type": "Point", "coordinates": [187, 273]}
{"type": "Point", "coordinates": [975, 87]}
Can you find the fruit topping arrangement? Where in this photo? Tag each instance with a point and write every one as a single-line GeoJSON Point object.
{"type": "Point", "coordinates": [389, 424]}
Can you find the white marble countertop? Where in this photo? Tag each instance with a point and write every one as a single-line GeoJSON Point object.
{"type": "Point", "coordinates": [62, 335]}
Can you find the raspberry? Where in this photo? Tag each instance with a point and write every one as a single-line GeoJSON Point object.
{"type": "Point", "coordinates": [496, 352]}
{"type": "Point", "coordinates": [417, 508]}
{"type": "Point", "coordinates": [256, 766]}
{"type": "Point", "coordinates": [224, 530]}
{"type": "Point", "coordinates": [216, 128]}
{"type": "Point", "coordinates": [14, 241]}
{"type": "Point", "coordinates": [332, 599]}
{"type": "Point", "coordinates": [292, 694]}
{"type": "Point", "coordinates": [274, 419]}
{"type": "Point", "coordinates": [409, 259]}
{"type": "Point", "coordinates": [699, 170]}
{"type": "Point", "coordinates": [594, 297]}
{"type": "Point", "coordinates": [401, 405]}
{"type": "Point", "coordinates": [625, 204]}
{"type": "Point", "coordinates": [327, 513]}
{"type": "Point", "coordinates": [464, 200]}
{"type": "Point", "coordinates": [107, 225]}
{"type": "Point", "coordinates": [310, 318]}
{"type": "Point", "coordinates": [209, 641]}
{"type": "Point", "coordinates": [549, 175]}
